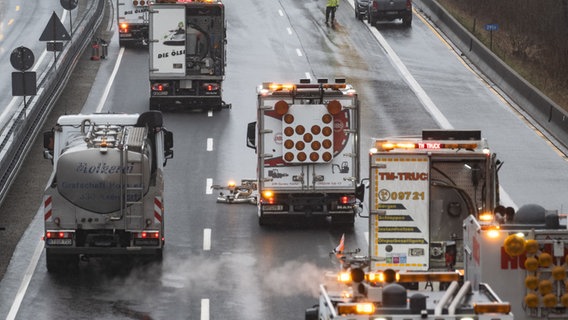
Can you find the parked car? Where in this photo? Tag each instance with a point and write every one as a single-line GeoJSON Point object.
{"type": "Point", "coordinates": [390, 10]}
{"type": "Point", "coordinates": [361, 7]}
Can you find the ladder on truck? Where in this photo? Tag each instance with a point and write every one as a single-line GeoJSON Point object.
{"type": "Point", "coordinates": [133, 180]}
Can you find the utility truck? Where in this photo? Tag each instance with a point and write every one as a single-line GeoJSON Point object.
{"type": "Point", "coordinates": [421, 191]}
{"type": "Point", "coordinates": [132, 19]}
{"type": "Point", "coordinates": [359, 292]}
{"type": "Point", "coordinates": [105, 195]}
{"type": "Point", "coordinates": [306, 138]}
{"type": "Point", "coordinates": [526, 254]}
{"type": "Point", "coordinates": [187, 54]}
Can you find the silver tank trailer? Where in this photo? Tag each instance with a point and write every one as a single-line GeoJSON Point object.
{"type": "Point", "coordinates": [93, 176]}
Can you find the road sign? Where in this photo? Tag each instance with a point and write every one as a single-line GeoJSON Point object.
{"type": "Point", "coordinates": [55, 46]}
{"type": "Point", "coordinates": [69, 4]}
{"type": "Point", "coordinates": [24, 83]}
{"type": "Point", "coordinates": [491, 27]}
{"type": "Point", "coordinates": [22, 58]}
{"type": "Point", "coordinates": [54, 31]}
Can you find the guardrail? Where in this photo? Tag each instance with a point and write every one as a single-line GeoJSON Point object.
{"type": "Point", "coordinates": [548, 115]}
{"type": "Point", "coordinates": [21, 131]}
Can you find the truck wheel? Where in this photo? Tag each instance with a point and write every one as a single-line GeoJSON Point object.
{"type": "Point", "coordinates": [407, 21]}
{"type": "Point", "coordinates": [371, 20]}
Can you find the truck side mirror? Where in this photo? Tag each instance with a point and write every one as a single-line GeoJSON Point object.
{"type": "Point", "coordinates": [168, 145]}
{"type": "Point", "coordinates": [48, 144]}
{"type": "Point", "coordinates": [251, 135]}
{"type": "Point", "coordinates": [360, 190]}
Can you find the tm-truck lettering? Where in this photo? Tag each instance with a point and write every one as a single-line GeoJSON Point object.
{"type": "Point", "coordinates": [404, 176]}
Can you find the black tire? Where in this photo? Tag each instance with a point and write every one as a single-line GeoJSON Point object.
{"type": "Point", "coordinates": [371, 20]}
{"type": "Point", "coordinates": [407, 21]}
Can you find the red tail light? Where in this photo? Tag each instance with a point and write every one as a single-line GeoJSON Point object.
{"type": "Point", "coordinates": [160, 86]}
{"type": "Point", "coordinates": [344, 200]}
{"type": "Point", "coordinates": [409, 4]}
{"type": "Point", "coordinates": [211, 86]}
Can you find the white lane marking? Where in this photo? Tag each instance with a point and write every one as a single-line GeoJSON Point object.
{"type": "Point", "coordinates": [110, 81]}
{"type": "Point", "coordinates": [299, 52]}
{"type": "Point", "coordinates": [308, 76]}
{"type": "Point", "coordinates": [420, 93]}
{"type": "Point", "coordinates": [289, 30]}
{"type": "Point", "coordinates": [209, 144]}
{"type": "Point", "coordinates": [204, 309]}
{"type": "Point", "coordinates": [367, 236]}
{"type": "Point", "coordinates": [208, 185]}
{"type": "Point", "coordinates": [206, 239]}
{"type": "Point", "coordinates": [210, 113]}
{"type": "Point", "coordinates": [25, 282]}
{"type": "Point", "coordinates": [280, 12]}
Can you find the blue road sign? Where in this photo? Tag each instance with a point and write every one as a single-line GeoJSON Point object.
{"type": "Point", "coordinates": [491, 27]}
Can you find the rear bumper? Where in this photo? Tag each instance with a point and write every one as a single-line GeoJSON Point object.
{"type": "Point", "coordinates": [390, 14]}
{"type": "Point", "coordinates": [103, 251]}
{"type": "Point", "coordinates": [187, 102]}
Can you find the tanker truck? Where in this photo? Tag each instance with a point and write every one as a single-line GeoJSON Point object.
{"type": "Point", "coordinates": [105, 196]}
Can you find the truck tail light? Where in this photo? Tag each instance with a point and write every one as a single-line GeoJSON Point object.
{"type": "Point", "coordinates": [124, 27]}
{"type": "Point", "coordinates": [409, 4]}
{"type": "Point", "coordinates": [211, 86]}
{"type": "Point", "coordinates": [160, 86]}
{"type": "Point", "coordinates": [268, 197]}
{"type": "Point", "coordinates": [148, 235]}
{"type": "Point", "coordinates": [58, 235]}
{"type": "Point", "coordinates": [375, 5]}
{"type": "Point", "coordinates": [344, 200]}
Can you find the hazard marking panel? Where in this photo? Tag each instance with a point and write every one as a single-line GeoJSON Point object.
{"type": "Point", "coordinates": [307, 133]}
{"type": "Point", "coordinates": [400, 206]}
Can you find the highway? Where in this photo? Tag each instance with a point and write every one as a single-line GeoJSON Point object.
{"type": "Point", "coordinates": [218, 262]}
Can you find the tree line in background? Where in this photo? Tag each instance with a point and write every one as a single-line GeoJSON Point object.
{"type": "Point", "coordinates": [532, 37]}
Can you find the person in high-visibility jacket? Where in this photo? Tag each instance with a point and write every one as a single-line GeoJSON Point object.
{"type": "Point", "coordinates": [330, 10]}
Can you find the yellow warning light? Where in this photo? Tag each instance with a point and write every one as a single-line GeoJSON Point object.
{"type": "Point", "coordinates": [564, 299]}
{"type": "Point", "coordinates": [280, 87]}
{"type": "Point", "coordinates": [486, 217]}
{"type": "Point", "coordinates": [531, 282]}
{"type": "Point", "coordinates": [514, 245]}
{"type": "Point", "coordinates": [531, 246]}
{"type": "Point", "coordinates": [545, 260]}
{"type": "Point", "coordinates": [531, 264]}
{"type": "Point", "coordinates": [549, 300]}
{"type": "Point", "coordinates": [558, 273]}
{"type": "Point", "coordinates": [492, 307]}
{"type": "Point", "coordinates": [267, 194]}
{"type": "Point", "coordinates": [493, 233]}
{"type": "Point", "coordinates": [344, 276]}
{"type": "Point", "coordinates": [356, 308]}
{"type": "Point", "coordinates": [232, 184]}
{"type": "Point", "coordinates": [124, 26]}
{"type": "Point", "coordinates": [531, 300]}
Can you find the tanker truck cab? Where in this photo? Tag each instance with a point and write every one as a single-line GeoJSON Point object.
{"type": "Point", "coordinates": [105, 196]}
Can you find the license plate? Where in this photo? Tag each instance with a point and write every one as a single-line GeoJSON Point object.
{"type": "Point", "coordinates": [276, 207]}
{"type": "Point", "coordinates": [59, 242]}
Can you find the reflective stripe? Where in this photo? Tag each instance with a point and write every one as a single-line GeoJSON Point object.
{"type": "Point", "coordinates": [158, 209]}
{"type": "Point", "coordinates": [47, 208]}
